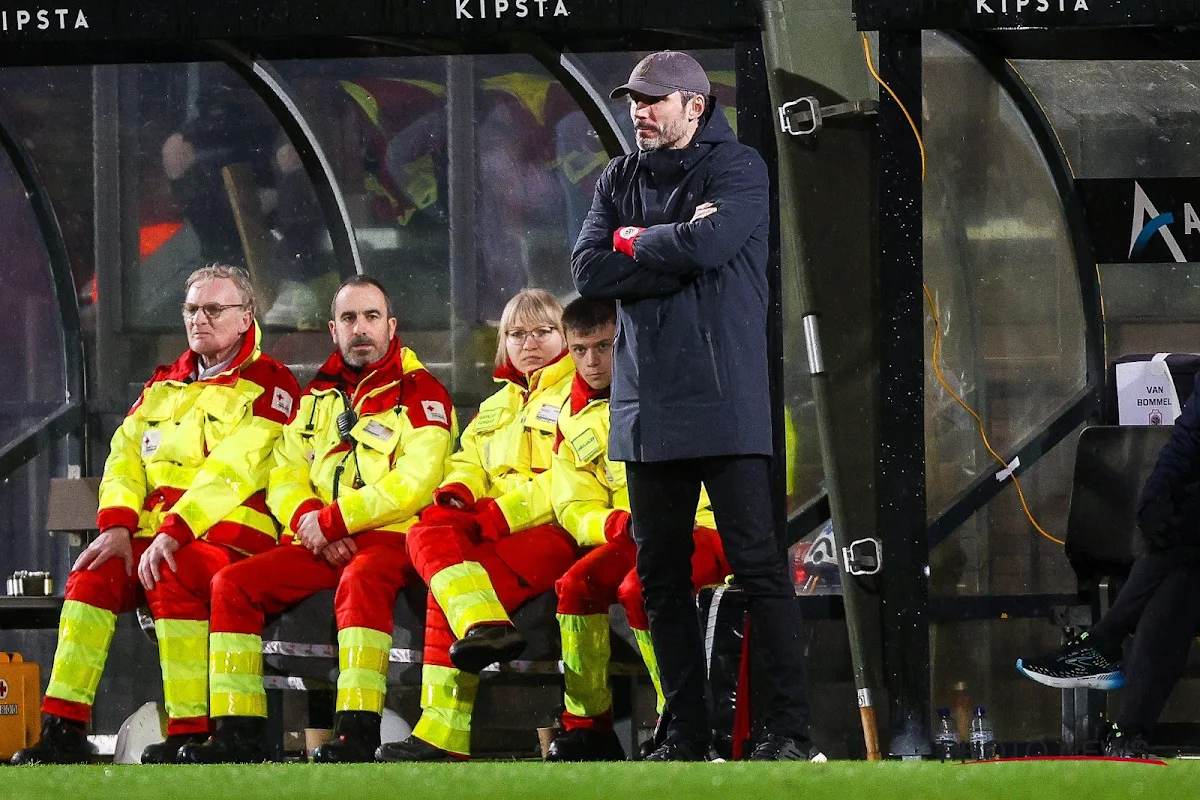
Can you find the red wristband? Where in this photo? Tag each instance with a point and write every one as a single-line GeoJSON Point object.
{"type": "Point", "coordinates": [623, 239]}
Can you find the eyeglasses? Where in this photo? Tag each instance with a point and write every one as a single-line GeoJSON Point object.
{"type": "Point", "coordinates": [212, 311]}
{"type": "Point", "coordinates": [518, 336]}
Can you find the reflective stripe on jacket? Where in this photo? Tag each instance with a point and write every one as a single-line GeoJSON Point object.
{"type": "Point", "coordinates": [589, 487]}
{"type": "Point", "coordinates": [394, 459]}
{"type": "Point", "coordinates": [506, 452]}
{"type": "Point", "coordinates": [191, 458]}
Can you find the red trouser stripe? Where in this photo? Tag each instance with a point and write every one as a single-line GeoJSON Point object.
{"type": "Point", "coordinates": [521, 566]}
{"type": "Point", "coordinates": [273, 581]}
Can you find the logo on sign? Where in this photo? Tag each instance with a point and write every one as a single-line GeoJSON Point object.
{"type": "Point", "coordinates": [499, 9]}
{"type": "Point", "coordinates": [42, 19]}
{"type": "Point", "coordinates": [1148, 223]}
{"type": "Point", "coordinates": [3, 688]}
{"type": "Point", "coordinates": [1028, 6]}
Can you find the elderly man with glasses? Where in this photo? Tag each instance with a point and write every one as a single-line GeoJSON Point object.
{"type": "Point", "coordinates": [183, 495]}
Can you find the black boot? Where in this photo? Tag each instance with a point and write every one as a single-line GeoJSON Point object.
{"type": "Point", "coordinates": [64, 741]}
{"type": "Point", "coordinates": [414, 749]}
{"type": "Point", "coordinates": [168, 751]}
{"type": "Point", "coordinates": [586, 744]}
{"type": "Point", "coordinates": [486, 644]}
{"type": "Point", "coordinates": [356, 738]}
{"type": "Point", "coordinates": [238, 740]}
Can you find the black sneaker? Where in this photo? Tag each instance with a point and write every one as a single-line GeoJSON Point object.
{"type": "Point", "coordinates": [238, 740]}
{"type": "Point", "coordinates": [778, 747]}
{"type": "Point", "coordinates": [1076, 665]}
{"type": "Point", "coordinates": [676, 750]}
{"type": "Point", "coordinates": [1120, 745]}
{"type": "Point", "coordinates": [167, 752]}
{"type": "Point", "coordinates": [356, 738]}
{"type": "Point", "coordinates": [586, 744]}
{"type": "Point", "coordinates": [64, 741]}
{"type": "Point", "coordinates": [414, 749]}
{"type": "Point", "coordinates": [486, 644]}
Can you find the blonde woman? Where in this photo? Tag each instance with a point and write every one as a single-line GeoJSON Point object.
{"type": "Point", "coordinates": [489, 543]}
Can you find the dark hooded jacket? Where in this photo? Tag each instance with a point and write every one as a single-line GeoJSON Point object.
{"type": "Point", "coordinates": [690, 358]}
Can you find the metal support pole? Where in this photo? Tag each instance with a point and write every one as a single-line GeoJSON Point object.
{"type": "Point", "coordinates": [460, 143]}
{"type": "Point", "coordinates": [900, 470]}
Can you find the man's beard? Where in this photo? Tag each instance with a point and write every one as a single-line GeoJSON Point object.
{"type": "Point", "coordinates": [356, 361]}
{"type": "Point", "coordinates": [668, 136]}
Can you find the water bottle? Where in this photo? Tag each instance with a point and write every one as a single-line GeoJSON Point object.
{"type": "Point", "coordinates": [983, 744]}
{"type": "Point", "coordinates": [945, 737]}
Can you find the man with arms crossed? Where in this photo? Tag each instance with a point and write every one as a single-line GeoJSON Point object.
{"type": "Point", "coordinates": [678, 233]}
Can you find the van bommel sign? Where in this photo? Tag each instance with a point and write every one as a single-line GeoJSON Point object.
{"type": "Point", "coordinates": [993, 14]}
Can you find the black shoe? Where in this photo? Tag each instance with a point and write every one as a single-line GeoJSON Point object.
{"type": "Point", "coordinates": [486, 644]}
{"type": "Point", "coordinates": [238, 740]}
{"type": "Point", "coordinates": [356, 739]}
{"type": "Point", "coordinates": [675, 750]}
{"type": "Point", "coordinates": [1075, 665]}
{"type": "Point", "coordinates": [168, 751]}
{"type": "Point", "coordinates": [586, 744]}
{"type": "Point", "coordinates": [1121, 745]}
{"type": "Point", "coordinates": [64, 741]}
{"type": "Point", "coordinates": [414, 749]}
{"type": "Point", "coordinates": [784, 748]}
{"type": "Point", "coordinates": [659, 736]}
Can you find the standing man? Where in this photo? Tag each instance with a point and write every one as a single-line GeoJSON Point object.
{"type": "Point", "coordinates": [678, 233]}
{"type": "Point", "coordinates": [363, 456]}
{"type": "Point", "coordinates": [182, 496]}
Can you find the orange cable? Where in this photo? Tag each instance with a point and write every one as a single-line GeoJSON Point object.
{"type": "Point", "coordinates": [937, 324]}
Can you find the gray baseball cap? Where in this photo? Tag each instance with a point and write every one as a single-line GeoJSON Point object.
{"type": "Point", "coordinates": [660, 74]}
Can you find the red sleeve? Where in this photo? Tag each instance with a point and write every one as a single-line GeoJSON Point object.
{"type": "Point", "coordinates": [331, 523]}
{"type": "Point", "coordinates": [456, 491]}
{"type": "Point", "coordinates": [280, 394]}
{"type": "Point", "coordinates": [427, 401]}
{"type": "Point", "coordinates": [174, 526]}
{"type": "Point", "coordinates": [311, 504]}
{"type": "Point", "coordinates": [117, 517]}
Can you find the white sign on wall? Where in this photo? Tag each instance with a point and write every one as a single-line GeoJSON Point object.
{"type": "Point", "coordinates": [1145, 393]}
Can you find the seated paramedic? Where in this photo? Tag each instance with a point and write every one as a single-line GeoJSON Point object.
{"type": "Point", "coordinates": [592, 502]}
{"type": "Point", "coordinates": [489, 542]}
{"type": "Point", "coordinates": [366, 450]}
{"type": "Point", "coordinates": [183, 495]}
{"type": "Point", "coordinates": [1156, 605]}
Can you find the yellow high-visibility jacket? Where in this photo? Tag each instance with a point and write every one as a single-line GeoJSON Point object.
{"type": "Point", "coordinates": [507, 450]}
{"type": "Point", "coordinates": [192, 456]}
{"type": "Point", "coordinates": [393, 459]}
{"type": "Point", "coordinates": [589, 490]}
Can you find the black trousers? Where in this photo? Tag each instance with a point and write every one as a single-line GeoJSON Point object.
{"type": "Point", "coordinates": [1160, 606]}
{"type": "Point", "coordinates": [663, 497]}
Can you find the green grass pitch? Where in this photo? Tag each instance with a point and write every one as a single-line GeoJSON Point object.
{"type": "Point", "coordinates": [1038, 780]}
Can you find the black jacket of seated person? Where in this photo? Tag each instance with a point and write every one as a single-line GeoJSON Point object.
{"type": "Point", "coordinates": [1169, 510]}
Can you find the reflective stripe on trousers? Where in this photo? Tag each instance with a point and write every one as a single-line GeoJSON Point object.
{"type": "Point", "coordinates": [585, 653]}
{"type": "Point", "coordinates": [236, 675]}
{"type": "Point", "coordinates": [447, 701]}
